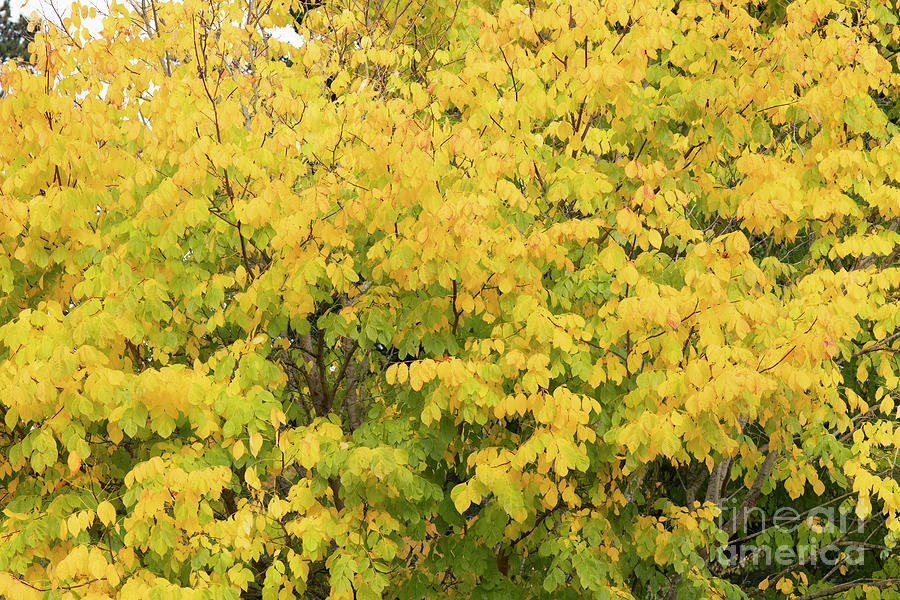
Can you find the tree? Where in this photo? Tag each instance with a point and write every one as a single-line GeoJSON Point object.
{"type": "Point", "coordinates": [14, 34]}
{"type": "Point", "coordinates": [544, 300]}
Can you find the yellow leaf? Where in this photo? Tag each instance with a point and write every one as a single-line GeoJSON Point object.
{"type": "Point", "coordinates": [784, 585]}
{"type": "Point", "coordinates": [887, 404]}
{"type": "Point", "coordinates": [863, 507]}
{"type": "Point", "coordinates": [237, 450]}
{"type": "Point", "coordinates": [662, 555]}
{"type": "Point", "coordinates": [251, 478]}
{"type": "Point", "coordinates": [74, 462]}
{"type": "Point", "coordinates": [416, 381]}
{"type": "Point", "coordinates": [255, 443]}
{"type": "Point", "coordinates": [390, 374]}
{"type": "Point", "coordinates": [460, 496]}
{"type": "Point", "coordinates": [862, 373]}
{"type": "Point", "coordinates": [818, 487]}
{"type": "Point", "coordinates": [97, 563]}
{"type": "Point", "coordinates": [114, 432]}
{"type": "Point", "coordinates": [106, 512]}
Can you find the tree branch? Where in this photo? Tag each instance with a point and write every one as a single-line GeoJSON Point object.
{"type": "Point", "coordinates": [739, 519]}
{"type": "Point", "coordinates": [843, 587]}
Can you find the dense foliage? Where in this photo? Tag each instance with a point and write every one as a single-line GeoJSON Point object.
{"type": "Point", "coordinates": [464, 300]}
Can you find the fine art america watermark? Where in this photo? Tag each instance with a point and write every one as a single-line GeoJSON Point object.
{"type": "Point", "coordinates": [828, 530]}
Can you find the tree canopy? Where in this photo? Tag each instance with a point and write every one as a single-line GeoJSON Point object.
{"type": "Point", "coordinates": [14, 34]}
{"type": "Point", "coordinates": [454, 299]}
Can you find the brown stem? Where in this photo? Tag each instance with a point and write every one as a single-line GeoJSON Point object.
{"type": "Point", "coordinates": [456, 312]}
